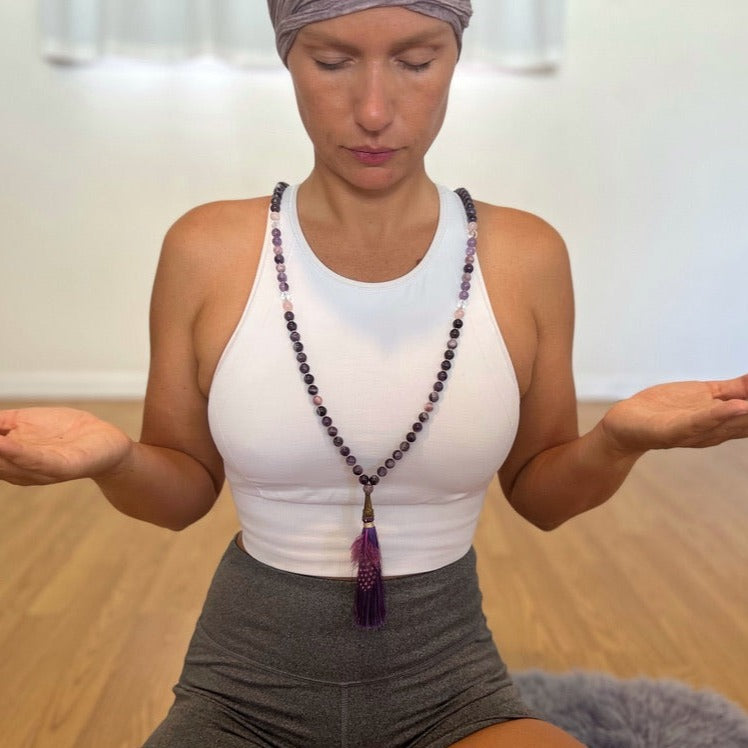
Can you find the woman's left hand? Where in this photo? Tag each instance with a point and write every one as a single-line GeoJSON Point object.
{"type": "Point", "coordinates": [680, 414]}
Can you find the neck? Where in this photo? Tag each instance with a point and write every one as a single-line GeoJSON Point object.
{"type": "Point", "coordinates": [368, 235]}
{"type": "Point", "coordinates": [368, 215]}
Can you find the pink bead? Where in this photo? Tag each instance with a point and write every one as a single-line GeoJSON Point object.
{"type": "Point", "coordinates": [275, 216]}
{"type": "Point", "coordinates": [428, 407]}
{"type": "Point", "coordinates": [317, 400]}
{"type": "Point", "coordinates": [287, 306]}
{"type": "Point", "coordinates": [459, 314]}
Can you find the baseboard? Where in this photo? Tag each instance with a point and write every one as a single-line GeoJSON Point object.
{"type": "Point", "coordinates": [77, 385]}
{"type": "Point", "coordinates": [102, 385]}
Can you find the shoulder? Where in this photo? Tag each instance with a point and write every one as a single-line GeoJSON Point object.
{"type": "Point", "coordinates": [510, 231]}
{"type": "Point", "coordinates": [211, 238]}
{"type": "Point", "coordinates": [523, 246]}
{"type": "Point", "coordinates": [211, 225]}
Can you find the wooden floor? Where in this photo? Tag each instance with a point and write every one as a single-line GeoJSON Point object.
{"type": "Point", "coordinates": [96, 609]}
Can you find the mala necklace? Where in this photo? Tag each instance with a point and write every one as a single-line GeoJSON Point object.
{"type": "Point", "coordinates": [369, 605]}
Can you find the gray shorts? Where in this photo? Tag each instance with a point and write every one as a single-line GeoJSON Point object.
{"type": "Point", "coordinates": [276, 661]}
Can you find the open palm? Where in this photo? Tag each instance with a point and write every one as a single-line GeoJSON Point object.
{"type": "Point", "coordinates": [680, 414]}
{"type": "Point", "coordinates": [49, 445]}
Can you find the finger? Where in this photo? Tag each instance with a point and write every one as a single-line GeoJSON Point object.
{"type": "Point", "coordinates": [731, 389]}
{"type": "Point", "coordinates": [8, 421]}
{"type": "Point", "coordinates": [10, 473]}
{"type": "Point", "coordinates": [725, 410]}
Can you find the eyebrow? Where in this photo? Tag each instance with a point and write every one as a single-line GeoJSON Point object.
{"type": "Point", "coordinates": [312, 37]}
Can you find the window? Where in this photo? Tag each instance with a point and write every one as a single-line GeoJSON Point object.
{"type": "Point", "coordinates": [521, 35]}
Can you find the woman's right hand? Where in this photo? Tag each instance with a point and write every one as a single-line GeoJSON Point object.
{"type": "Point", "coordinates": [39, 446]}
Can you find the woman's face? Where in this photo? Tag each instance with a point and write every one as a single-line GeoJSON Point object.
{"type": "Point", "coordinates": [372, 90]}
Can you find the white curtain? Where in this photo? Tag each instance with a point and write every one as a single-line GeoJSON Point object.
{"type": "Point", "coordinates": [522, 35]}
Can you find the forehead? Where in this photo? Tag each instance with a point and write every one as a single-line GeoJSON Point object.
{"type": "Point", "coordinates": [383, 27]}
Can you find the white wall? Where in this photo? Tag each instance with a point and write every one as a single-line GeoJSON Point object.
{"type": "Point", "coordinates": [636, 150]}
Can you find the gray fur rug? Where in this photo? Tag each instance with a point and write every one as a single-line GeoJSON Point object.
{"type": "Point", "coordinates": [606, 712]}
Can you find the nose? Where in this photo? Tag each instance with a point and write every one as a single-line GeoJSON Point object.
{"type": "Point", "coordinates": [374, 99]}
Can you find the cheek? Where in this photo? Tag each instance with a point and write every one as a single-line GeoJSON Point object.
{"type": "Point", "coordinates": [319, 109]}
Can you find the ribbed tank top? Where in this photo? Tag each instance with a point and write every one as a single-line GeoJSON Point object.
{"type": "Point", "coordinates": [375, 350]}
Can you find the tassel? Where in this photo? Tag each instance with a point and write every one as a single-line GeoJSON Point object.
{"type": "Point", "coordinates": [369, 609]}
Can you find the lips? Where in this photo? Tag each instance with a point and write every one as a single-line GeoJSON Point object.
{"type": "Point", "coordinates": [372, 156]}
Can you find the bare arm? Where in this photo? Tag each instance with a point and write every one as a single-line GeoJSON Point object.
{"type": "Point", "coordinates": [173, 475]}
{"type": "Point", "coordinates": [553, 474]}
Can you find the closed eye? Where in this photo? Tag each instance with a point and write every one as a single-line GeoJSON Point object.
{"type": "Point", "coordinates": [416, 67]}
{"type": "Point", "coordinates": [330, 65]}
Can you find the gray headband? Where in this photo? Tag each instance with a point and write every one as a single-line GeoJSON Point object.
{"type": "Point", "coordinates": [288, 16]}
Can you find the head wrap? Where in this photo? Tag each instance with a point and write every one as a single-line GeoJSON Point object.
{"type": "Point", "coordinates": [288, 16]}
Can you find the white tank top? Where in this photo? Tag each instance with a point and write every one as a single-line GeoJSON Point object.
{"type": "Point", "coordinates": [374, 350]}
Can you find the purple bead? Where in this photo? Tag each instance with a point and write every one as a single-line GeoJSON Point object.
{"type": "Point", "coordinates": [332, 431]}
{"type": "Point", "coordinates": [373, 479]}
{"type": "Point", "coordinates": [345, 451]}
{"type": "Point", "coordinates": [282, 277]}
{"type": "Point", "coordinates": [358, 470]}
{"type": "Point", "coordinates": [438, 386]}
{"type": "Point", "coordinates": [304, 368]}
{"type": "Point", "coordinates": [467, 276]}
{"type": "Point", "coordinates": [465, 285]}
{"type": "Point", "coordinates": [417, 426]}
{"type": "Point", "coordinates": [309, 379]}
{"type": "Point", "coordinates": [321, 411]}
{"type": "Point", "coordinates": [404, 446]}
{"type": "Point", "coordinates": [381, 471]}
{"type": "Point", "coordinates": [338, 441]}
{"type": "Point", "coordinates": [423, 417]}
{"type": "Point", "coordinates": [468, 268]}
{"type": "Point", "coordinates": [298, 347]}
{"type": "Point", "coordinates": [351, 460]}
{"type": "Point", "coordinates": [327, 421]}
{"type": "Point", "coordinates": [301, 358]}
{"type": "Point", "coordinates": [278, 260]}
{"type": "Point", "coordinates": [454, 333]}
{"type": "Point", "coordinates": [295, 337]}
{"type": "Point", "coordinates": [389, 463]}
{"type": "Point", "coordinates": [397, 454]}
{"type": "Point", "coordinates": [410, 436]}
{"type": "Point", "coordinates": [364, 480]}
{"type": "Point", "coordinates": [289, 316]}
{"type": "Point", "coordinates": [442, 376]}
{"type": "Point", "coordinates": [472, 242]}
{"type": "Point", "coordinates": [312, 389]}
{"type": "Point", "coordinates": [275, 232]}
{"type": "Point", "coordinates": [434, 397]}
{"type": "Point", "coordinates": [283, 286]}
{"type": "Point", "coordinates": [277, 241]}
{"type": "Point", "coordinates": [464, 295]}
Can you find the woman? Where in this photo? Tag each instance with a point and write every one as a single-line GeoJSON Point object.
{"type": "Point", "coordinates": [365, 268]}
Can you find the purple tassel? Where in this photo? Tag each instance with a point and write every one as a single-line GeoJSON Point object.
{"type": "Point", "coordinates": [369, 609]}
